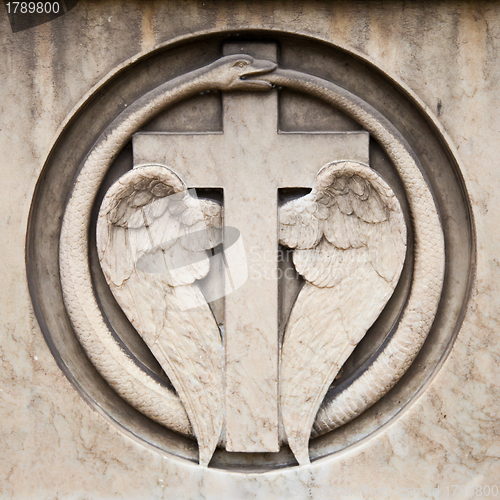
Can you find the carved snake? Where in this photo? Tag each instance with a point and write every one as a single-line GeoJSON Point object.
{"type": "Point", "coordinates": [244, 73]}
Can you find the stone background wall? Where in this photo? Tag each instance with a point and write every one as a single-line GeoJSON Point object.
{"type": "Point", "coordinates": [52, 444]}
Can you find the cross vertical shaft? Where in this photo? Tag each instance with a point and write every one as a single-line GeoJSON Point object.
{"type": "Point", "coordinates": [251, 311]}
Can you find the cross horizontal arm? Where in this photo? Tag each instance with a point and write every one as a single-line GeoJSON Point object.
{"type": "Point", "coordinates": [296, 157]}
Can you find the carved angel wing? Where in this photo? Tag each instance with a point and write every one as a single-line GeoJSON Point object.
{"type": "Point", "coordinates": [152, 237]}
{"type": "Point", "coordinates": [349, 238]}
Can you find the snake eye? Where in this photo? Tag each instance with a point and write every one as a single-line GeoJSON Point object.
{"type": "Point", "coordinates": [240, 64]}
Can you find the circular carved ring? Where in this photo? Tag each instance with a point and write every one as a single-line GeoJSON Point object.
{"type": "Point", "coordinates": [156, 399]}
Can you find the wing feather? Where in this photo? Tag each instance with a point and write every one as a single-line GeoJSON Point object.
{"type": "Point", "coordinates": [364, 295]}
{"type": "Point", "coordinates": [152, 240]}
{"type": "Point", "coordinates": [344, 203]}
{"type": "Point", "coordinates": [354, 230]}
{"type": "Point", "coordinates": [300, 226]}
{"type": "Point", "coordinates": [335, 229]}
{"type": "Point", "coordinates": [351, 268]}
{"type": "Point", "coordinates": [372, 209]}
{"type": "Point", "coordinates": [309, 354]}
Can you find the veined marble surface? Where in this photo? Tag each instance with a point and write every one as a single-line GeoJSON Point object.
{"type": "Point", "coordinates": [55, 446]}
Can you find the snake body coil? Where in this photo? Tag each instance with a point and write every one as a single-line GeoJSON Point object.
{"type": "Point", "coordinates": [124, 374]}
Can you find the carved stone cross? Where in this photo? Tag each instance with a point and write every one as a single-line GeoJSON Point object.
{"type": "Point", "coordinates": [250, 161]}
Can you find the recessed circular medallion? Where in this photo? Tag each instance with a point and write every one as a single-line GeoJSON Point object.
{"type": "Point", "coordinates": [268, 348]}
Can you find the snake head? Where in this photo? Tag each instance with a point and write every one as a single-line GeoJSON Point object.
{"type": "Point", "coordinates": [241, 72]}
